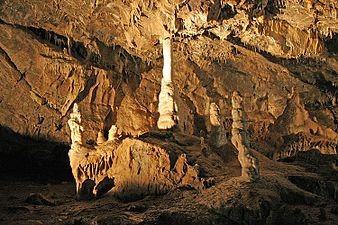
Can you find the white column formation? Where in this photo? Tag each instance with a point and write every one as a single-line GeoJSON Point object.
{"type": "Point", "coordinates": [74, 124]}
{"type": "Point", "coordinates": [250, 165]}
{"type": "Point", "coordinates": [167, 59]}
{"type": "Point", "coordinates": [166, 105]}
{"type": "Point", "coordinates": [218, 135]}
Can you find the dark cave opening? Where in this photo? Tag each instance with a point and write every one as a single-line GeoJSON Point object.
{"type": "Point", "coordinates": [25, 158]}
{"type": "Point", "coordinates": [331, 44]}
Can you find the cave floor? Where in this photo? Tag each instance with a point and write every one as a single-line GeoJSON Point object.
{"type": "Point", "coordinates": [286, 194]}
{"type": "Point", "coordinates": [14, 208]}
{"type": "Point", "coordinates": [180, 206]}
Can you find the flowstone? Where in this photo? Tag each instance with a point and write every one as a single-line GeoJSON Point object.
{"type": "Point", "coordinates": [249, 164]}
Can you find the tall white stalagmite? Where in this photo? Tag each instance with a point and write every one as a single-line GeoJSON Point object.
{"type": "Point", "coordinates": [166, 105]}
{"type": "Point", "coordinates": [250, 165]}
{"type": "Point", "coordinates": [167, 59]}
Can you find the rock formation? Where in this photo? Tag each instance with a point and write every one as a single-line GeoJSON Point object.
{"type": "Point", "coordinates": [218, 136]}
{"type": "Point", "coordinates": [75, 126]}
{"type": "Point", "coordinates": [250, 164]}
{"type": "Point", "coordinates": [105, 56]}
{"type": "Point", "coordinates": [112, 135]}
{"type": "Point", "coordinates": [100, 138]}
{"type": "Point", "coordinates": [131, 168]}
{"type": "Point", "coordinates": [296, 131]}
{"type": "Point", "coordinates": [110, 52]}
{"type": "Point", "coordinates": [166, 106]}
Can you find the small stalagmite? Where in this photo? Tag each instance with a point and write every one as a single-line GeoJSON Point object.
{"type": "Point", "coordinates": [250, 164]}
{"type": "Point", "coordinates": [74, 124]}
{"type": "Point", "coordinates": [100, 138]}
{"type": "Point", "coordinates": [218, 135]}
{"type": "Point", "coordinates": [166, 106]}
{"type": "Point", "coordinates": [112, 135]}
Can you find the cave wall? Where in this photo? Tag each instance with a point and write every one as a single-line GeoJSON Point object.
{"type": "Point", "coordinates": [106, 56]}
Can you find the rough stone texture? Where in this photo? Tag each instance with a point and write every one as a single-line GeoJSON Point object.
{"type": "Point", "coordinates": [274, 26]}
{"type": "Point", "coordinates": [106, 56]}
{"type": "Point", "coordinates": [277, 197]}
{"type": "Point", "coordinates": [309, 133]}
{"type": "Point", "coordinates": [218, 136]}
{"type": "Point", "coordinates": [75, 126]}
{"type": "Point", "coordinates": [112, 135]}
{"type": "Point", "coordinates": [130, 169]}
{"type": "Point", "coordinates": [249, 163]}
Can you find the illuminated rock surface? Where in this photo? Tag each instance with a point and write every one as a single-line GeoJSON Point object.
{"type": "Point", "coordinates": [250, 164]}
{"type": "Point", "coordinates": [107, 57]}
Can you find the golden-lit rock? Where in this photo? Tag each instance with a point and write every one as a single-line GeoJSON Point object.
{"type": "Point", "coordinates": [249, 163]}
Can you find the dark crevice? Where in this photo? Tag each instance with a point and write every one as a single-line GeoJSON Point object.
{"type": "Point", "coordinates": [273, 7]}
{"type": "Point", "coordinates": [210, 35]}
{"type": "Point", "coordinates": [227, 12]}
{"type": "Point", "coordinates": [11, 63]}
{"type": "Point", "coordinates": [332, 44]}
{"type": "Point", "coordinates": [78, 50]}
{"type": "Point", "coordinates": [90, 82]}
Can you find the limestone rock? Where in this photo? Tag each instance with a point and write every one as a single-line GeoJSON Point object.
{"type": "Point", "coordinates": [250, 164]}
{"type": "Point", "coordinates": [135, 168]}
{"type": "Point", "coordinates": [100, 138]}
{"type": "Point", "coordinates": [296, 131]}
{"type": "Point", "coordinates": [287, 28]}
{"type": "Point", "coordinates": [128, 169]}
{"type": "Point", "coordinates": [74, 124]}
{"type": "Point", "coordinates": [166, 105]}
{"type": "Point", "coordinates": [218, 136]}
{"type": "Point", "coordinates": [112, 135]}
{"type": "Point", "coordinates": [106, 57]}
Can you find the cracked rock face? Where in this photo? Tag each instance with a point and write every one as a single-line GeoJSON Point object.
{"type": "Point", "coordinates": [106, 56]}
